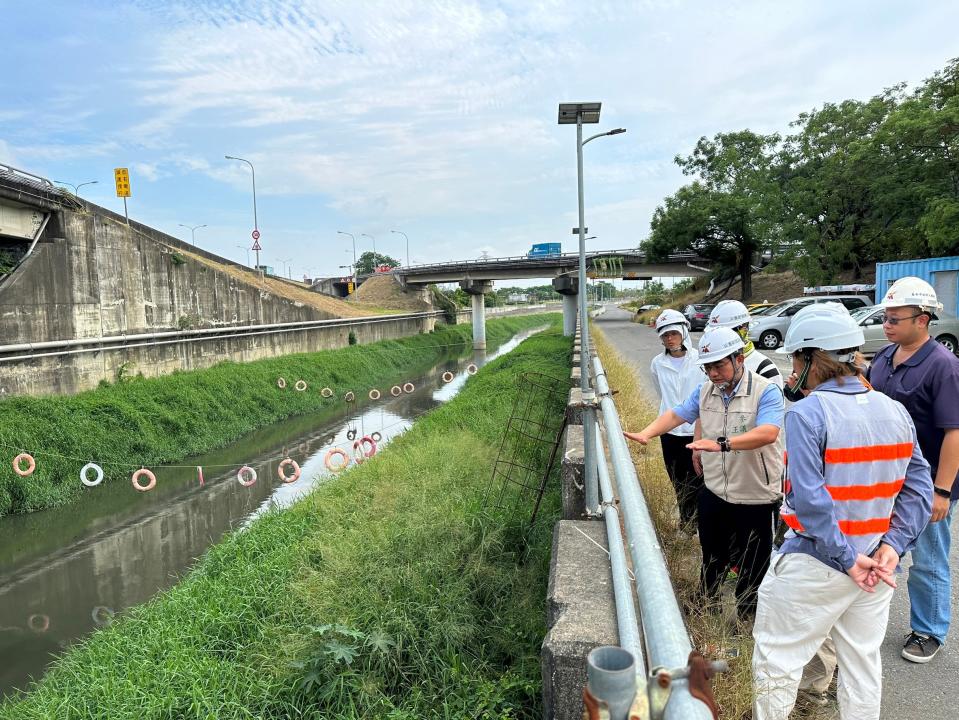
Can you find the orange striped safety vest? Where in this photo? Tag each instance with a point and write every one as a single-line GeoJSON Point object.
{"type": "Point", "coordinates": [868, 447]}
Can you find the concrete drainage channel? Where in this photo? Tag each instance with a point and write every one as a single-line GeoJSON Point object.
{"type": "Point", "coordinates": [591, 596]}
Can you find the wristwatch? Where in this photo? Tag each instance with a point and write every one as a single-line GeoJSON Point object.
{"type": "Point", "coordinates": [942, 492]}
{"type": "Point", "coordinates": [723, 443]}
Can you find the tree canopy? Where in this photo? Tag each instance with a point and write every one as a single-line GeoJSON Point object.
{"type": "Point", "coordinates": [367, 262]}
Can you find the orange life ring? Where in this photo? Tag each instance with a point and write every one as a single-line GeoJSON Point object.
{"type": "Point", "coordinates": [396, 391]}
{"type": "Point", "coordinates": [281, 383]}
{"type": "Point", "coordinates": [281, 471]}
{"type": "Point", "coordinates": [249, 471]}
{"type": "Point", "coordinates": [408, 387]}
{"type": "Point", "coordinates": [150, 476]}
{"type": "Point", "coordinates": [359, 445]}
{"type": "Point", "coordinates": [332, 453]}
{"type": "Point", "coordinates": [374, 394]}
{"type": "Point", "coordinates": [31, 464]}
{"type": "Point", "coordinates": [39, 622]}
{"type": "Point", "coordinates": [448, 376]}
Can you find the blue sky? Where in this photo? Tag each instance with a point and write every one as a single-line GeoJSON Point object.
{"type": "Point", "coordinates": [434, 118]}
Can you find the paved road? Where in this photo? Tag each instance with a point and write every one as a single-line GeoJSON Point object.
{"type": "Point", "coordinates": [923, 692]}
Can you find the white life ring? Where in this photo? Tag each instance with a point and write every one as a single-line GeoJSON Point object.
{"type": "Point", "coordinates": [247, 470]}
{"type": "Point", "coordinates": [87, 468]}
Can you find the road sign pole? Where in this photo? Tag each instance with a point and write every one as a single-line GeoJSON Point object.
{"type": "Point", "coordinates": [125, 213]}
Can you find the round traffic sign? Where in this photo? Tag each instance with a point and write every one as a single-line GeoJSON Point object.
{"type": "Point", "coordinates": [256, 234]}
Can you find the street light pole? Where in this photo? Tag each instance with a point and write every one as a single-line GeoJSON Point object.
{"type": "Point", "coordinates": [244, 247]}
{"type": "Point", "coordinates": [256, 226]}
{"type": "Point", "coordinates": [568, 114]}
{"type": "Point", "coordinates": [400, 232]}
{"type": "Point", "coordinates": [340, 232]}
{"type": "Point", "coordinates": [76, 188]}
{"type": "Point", "coordinates": [192, 229]}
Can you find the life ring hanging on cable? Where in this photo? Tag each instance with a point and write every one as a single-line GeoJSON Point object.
{"type": "Point", "coordinates": [471, 369]}
{"type": "Point", "coordinates": [86, 469]}
{"type": "Point", "coordinates": [448, 377]}
{"type": "Point", "coordinates": [151, 480]}
{"type": "Point", "coordinates": [396, 391]}
{"type": "Point", "coordinates": [336, 467]}
{"type": "Point", "coordinates": [365, 440]}
{"type": "Point", "coordinates": [376, 436]}
{"type": "Point", "coordinates": [281, 470]}
{"type": "Point", "coordinates": [408, 387]}
{"type": "Point", "coordinates": [39, 622]}
{"type": "Point", "coordinates": [246, 470]}
{"type": "Point", "coordinates": [31, 464]}
{"type": "Point", "coordinates": [374, 394]}
{"type": "Point", "coordinates": [350, 396]}
{"type": "Point", "coordinates": [326, 392]}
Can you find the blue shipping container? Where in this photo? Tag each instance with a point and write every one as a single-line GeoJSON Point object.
{"type": "Point", "coordinates": [941, 273]}
{"type": "Point", "coordinates": [545, 250]}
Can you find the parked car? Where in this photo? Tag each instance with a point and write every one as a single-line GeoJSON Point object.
{"type": "Point", "coordinates": [646, 308]}
{"type": "Point", "coordinates": [698, 315]}
{"type": "Point", "coordinates": [944, 328]}
{"type": "Point", "coordinates": [759, 308]}
{"type": "Point", "coordinates": [769, 329]}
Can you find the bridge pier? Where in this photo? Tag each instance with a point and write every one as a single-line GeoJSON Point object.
{"type": "Point", "coordinates": [476, 289]}
{"type": "Point", "coordinates": [568, 287]}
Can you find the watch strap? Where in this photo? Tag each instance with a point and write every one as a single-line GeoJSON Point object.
{"type": "Point", "coordinates": [941, 492]}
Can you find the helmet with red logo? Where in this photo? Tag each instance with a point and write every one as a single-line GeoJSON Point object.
{"type": "Point", "coordinates": [730, 314]}
{"type": "Point", "coordinates": [912, 291]}
{"type": "Point", "coordinates": [718, 343]}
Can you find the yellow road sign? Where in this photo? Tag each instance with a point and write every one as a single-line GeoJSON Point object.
{"type": "Point", "coordinates": [122, 178]}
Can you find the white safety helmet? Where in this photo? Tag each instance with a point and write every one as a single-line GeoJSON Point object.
{"type": "Point", "coordinates": [718, 343]}
{"type": "Point", "coordinates": [728, 314]}
{"type": "Point", "coordinates": [824, 326]}
{"type": "Point", "coordinates": [912, 291]}
{"type": "Point", "coordinates": [668, 320]}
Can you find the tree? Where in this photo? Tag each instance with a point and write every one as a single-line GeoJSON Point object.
{"type": "Point", "coordinates": [367, 262]}
{"type": "Point", "coordinates": [729, 212]}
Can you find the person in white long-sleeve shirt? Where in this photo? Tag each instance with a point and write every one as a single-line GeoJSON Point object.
{"type": "Point", "coordinates": [677, 373]}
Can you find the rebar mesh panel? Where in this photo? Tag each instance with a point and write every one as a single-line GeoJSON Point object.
{"type": "Point", "coordinates": [530, 442]}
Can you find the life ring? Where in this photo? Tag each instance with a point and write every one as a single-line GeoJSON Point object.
{"type": "Point", "coordinates": [300, 385]}
{"type": "Point", "coordinates": [102, 615]}
{"type": "Point", "coordinates": [249, 471]}
{"type": "Point", "coordinates": [199, 474]}
{"type": "Point", "coordinates": [31, 464]}
{"type": "Point", "coordinates": [374, 394]}
{"type": "Point", "coordinates": [87, 468]}
{"type": "Point", "coordinates": [326, 392]}
{"type": "Point", "coordinates": [351, 434]}
{"type": "Point", "coordinates": [396, 391]}
{"type": "Point", "coordinates": [350, 396]}
{"type": "Point", "coordinates": [471, 369]}
{"type": "Point", "coordinates": [366, 439]}
{"type": "Point", "coordinates": [448, 376]}
{"type": "Point", "coordinates": [149, 475]}
{"type": "Point", "coordinates": [281, 383]}
{"type": "Point", "coordinates": [336, 467]}
{"type": "Point", "coordinates": [39, 623]}
{"type": "Point", "coordinates": [281, 471]}
{"type": "Point", "coordinates": [408, 387]}
{"type": "Point", "coordinates": [376, 436]}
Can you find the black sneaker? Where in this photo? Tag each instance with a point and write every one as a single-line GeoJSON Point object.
{"type": "Point", "coordinates": [920, 648]}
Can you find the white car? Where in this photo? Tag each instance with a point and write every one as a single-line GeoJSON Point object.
{"type": "Point", "coordinates": [944, 328]}
{"type": "Point", "coordinates": [769, 329]}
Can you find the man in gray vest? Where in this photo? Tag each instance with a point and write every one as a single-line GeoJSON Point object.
{"type": "Point", "coordinates": [742, 416]}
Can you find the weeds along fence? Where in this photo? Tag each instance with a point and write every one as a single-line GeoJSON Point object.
{"type": "Point", "coordinates": [655, 633]}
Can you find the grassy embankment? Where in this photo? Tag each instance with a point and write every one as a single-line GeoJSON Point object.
{"type": "Point", "coordinates": [391, 592]}
{"type": "Point", "coordinates": [143, 422]}
{"type": "Point", "coordinates": [713, 628]}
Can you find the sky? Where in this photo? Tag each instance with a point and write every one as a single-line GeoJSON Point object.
{"type": "Point", "coordinates": [434, 119]}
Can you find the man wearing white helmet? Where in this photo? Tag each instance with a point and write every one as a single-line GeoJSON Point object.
{"type": "Point", "coordinates": [733, 314]}
{"type": "Point", "coordinates": [741, 415]}
{"type": "Point", "coordinates": [858, 494]}
{"type": "Point", "coordinates": [924, 376]}
{"type": "Point", "coordinates": [677, 374]}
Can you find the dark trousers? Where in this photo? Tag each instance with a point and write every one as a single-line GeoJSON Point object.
{"type": "Point", "coordinates": [738, 536]}
{"type": "Point", "coordinates": [679, 467]}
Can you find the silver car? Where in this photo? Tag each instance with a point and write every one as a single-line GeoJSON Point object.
{"type": "Point", "coordinates": [944, 328]}
{"type": "Point", "coordinates": [769, 329]}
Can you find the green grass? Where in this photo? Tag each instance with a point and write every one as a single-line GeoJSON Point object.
{"type": "Point", "coordinates": [141, 422]}
{"type": "Point", "coordinates": [391, 592]}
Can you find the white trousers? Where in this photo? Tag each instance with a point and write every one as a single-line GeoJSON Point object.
{"type": "Point", "coordinates": [801, 601]}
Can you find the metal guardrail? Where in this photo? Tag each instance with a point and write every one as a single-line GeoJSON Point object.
{"type": "Point", "coordinates": [662, 643]}
{"type": "Point", "coordinates": [570, 257]}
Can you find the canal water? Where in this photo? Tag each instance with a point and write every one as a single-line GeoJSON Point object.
{"type": "Point", "coordinates": [67, 571]}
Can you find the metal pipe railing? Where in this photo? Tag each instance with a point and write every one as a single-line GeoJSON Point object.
{"type": "Point", "coordinates": [664, 631]}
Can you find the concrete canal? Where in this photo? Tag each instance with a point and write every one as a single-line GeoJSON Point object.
{"type": "Point", "coordinates": [70, 570]}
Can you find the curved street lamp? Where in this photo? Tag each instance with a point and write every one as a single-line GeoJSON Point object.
{"type": "Point", "coordinates": [374, 246]}
{"type": "Point", "coordinates": [192, 229]}
{"type": "Point", "coordinates": [256, 226]}
{"type": "Point", "coordinates": [400, 232]}
{"type": "Point", "coordinates": [76, 188]}
{"type": "Point", "coordinates": [340, 232]}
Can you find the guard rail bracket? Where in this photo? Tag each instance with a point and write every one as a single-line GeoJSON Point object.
{"type": "Point", "coordinates": [698, 674]}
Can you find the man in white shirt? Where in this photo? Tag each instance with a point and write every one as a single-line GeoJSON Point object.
{"type": "Point", "coordinates": [677, 373]}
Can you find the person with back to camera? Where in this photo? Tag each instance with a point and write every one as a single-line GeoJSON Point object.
{"type": "Point", "coordinates": [858, 494]}
{"type": "Point", "coordinates": [741, 414]}
{"type": "Point", "coordinates": [677, 373]}
{"type": "Point", "coordinates": [924, 376]}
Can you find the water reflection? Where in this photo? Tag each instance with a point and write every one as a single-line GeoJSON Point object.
{"type": "Point", "coordinates": [70, 570]}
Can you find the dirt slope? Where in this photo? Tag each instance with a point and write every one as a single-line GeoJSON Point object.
{"type": "Point", "coordinates": [386, 292]}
